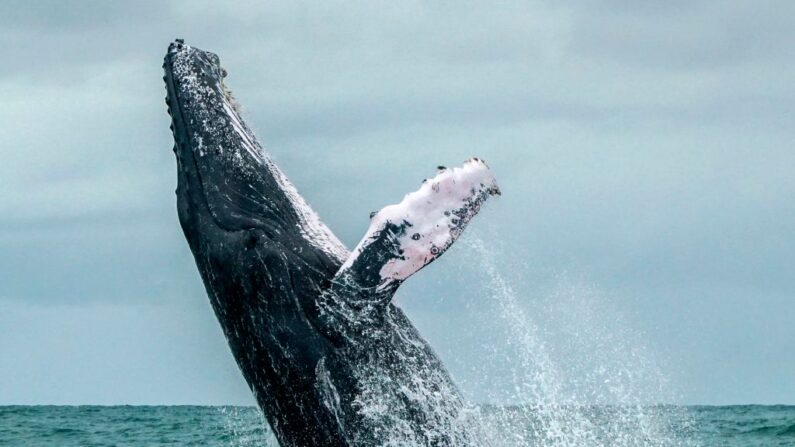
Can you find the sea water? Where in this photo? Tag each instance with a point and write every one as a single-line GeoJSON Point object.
{"type": "Point", "coordinates": [742, 425]}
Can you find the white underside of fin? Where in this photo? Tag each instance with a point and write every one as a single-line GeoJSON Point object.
{"type": "Point", "coordinates": [436, 214]}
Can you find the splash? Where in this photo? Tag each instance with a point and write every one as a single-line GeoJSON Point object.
{"type": "Point", "coordinates": [579, 374]}
{"type": "Point", "coordinates": [245, 427]}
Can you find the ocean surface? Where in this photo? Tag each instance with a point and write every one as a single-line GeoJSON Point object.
{"type": "Point", "coordinates": [743, 425]}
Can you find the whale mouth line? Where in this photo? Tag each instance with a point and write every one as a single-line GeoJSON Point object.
{"type": "Point", "coordinates": [188, 141]}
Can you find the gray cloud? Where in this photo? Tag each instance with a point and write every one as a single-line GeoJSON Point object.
{"type": "Point", "coordinates": [642, 146]}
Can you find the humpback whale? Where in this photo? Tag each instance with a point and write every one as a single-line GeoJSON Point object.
{"type": "Point", "coordinates": [330, 359]}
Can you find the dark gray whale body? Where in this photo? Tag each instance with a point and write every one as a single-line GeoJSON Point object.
{"type": "Point", "coordinates": [329, 358]}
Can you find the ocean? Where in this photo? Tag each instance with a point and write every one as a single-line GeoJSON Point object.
{"type": "Point", "coordinates": [740, 425]}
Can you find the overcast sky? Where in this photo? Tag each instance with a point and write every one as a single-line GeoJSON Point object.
{"type": "Point", "coordinates": [643, 248]}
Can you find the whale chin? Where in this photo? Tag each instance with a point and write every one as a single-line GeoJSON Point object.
{"type": "Point", "coordinates": [330, 359]}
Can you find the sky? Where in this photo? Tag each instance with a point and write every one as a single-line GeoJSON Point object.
{"type": "Point", "coordinates": [642, 250]}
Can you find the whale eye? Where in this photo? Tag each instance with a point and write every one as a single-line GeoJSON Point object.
{"type": "Point", "coordinates": [415, 236]}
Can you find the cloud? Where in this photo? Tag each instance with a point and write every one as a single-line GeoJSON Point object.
{"type": "Point", "coordinates": [645, 146]}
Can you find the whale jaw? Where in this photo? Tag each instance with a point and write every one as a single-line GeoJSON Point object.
{"type": "Point", "coordinates": [223, 171]}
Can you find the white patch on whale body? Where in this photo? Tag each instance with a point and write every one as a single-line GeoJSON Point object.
{"type": "Point", "coordinates": [434, 216]}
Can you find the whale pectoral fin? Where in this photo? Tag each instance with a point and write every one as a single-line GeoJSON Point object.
{"type": "Point", "coordinates": [404, 238]}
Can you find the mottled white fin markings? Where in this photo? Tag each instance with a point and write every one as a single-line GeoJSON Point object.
{"type": "Point", "coordinates": [430, 219]}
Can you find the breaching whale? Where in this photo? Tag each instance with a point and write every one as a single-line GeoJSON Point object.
{"type": "Point", "coordinates": [329, 358]}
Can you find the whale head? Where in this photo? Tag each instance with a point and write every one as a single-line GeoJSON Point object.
{"type": "Point", "coordinates": [225, 178]}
